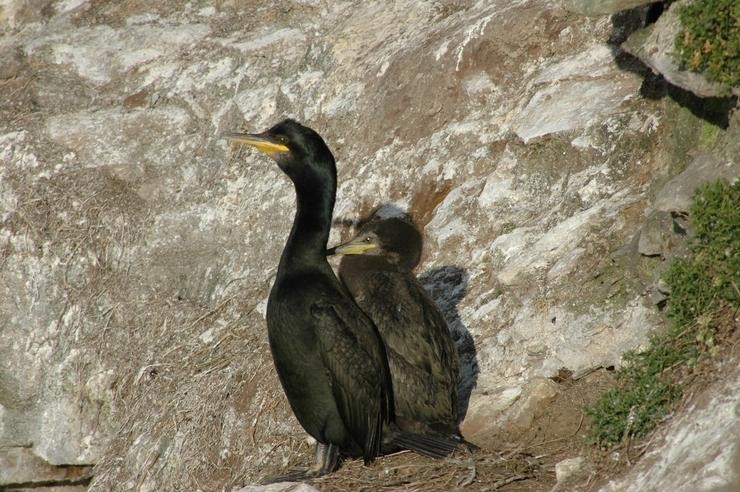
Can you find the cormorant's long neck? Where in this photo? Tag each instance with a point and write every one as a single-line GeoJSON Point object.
{"type": "Point", "coordinates": [306, 245]}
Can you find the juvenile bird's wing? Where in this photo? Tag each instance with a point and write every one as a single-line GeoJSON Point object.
{"type": "Point", "coordinates": [421, 351]}
{"type": "Point", "coordinates": [439, 334]}
{"type": "Point", "coordinates": [411, 324]}
{"type": "Point", "coordinates": [353, 355]}
{"type": "Point", "coordinates": [446, 367]}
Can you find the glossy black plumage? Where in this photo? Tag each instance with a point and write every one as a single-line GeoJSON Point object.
{"type": "Point", "coordinates": [327, 353]}
{"type": "Point", "coordinates": [377, 270]}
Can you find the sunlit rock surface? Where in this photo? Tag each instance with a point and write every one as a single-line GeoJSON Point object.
{"type": "Point", "coordinates": [138, 248]}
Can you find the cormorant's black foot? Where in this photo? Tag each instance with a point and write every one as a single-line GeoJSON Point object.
{"type": "Point", "coordinates": [326, 460]}
{"type": "Point", "coordinates": [470, 446]}
{"type": "Point", "coordinates": [294, 475]}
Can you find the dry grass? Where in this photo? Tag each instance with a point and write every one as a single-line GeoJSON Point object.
{"type": "Point", "coordinates": [408, 471]}
{"type": "Point", "coordinates": [176, 434]}
{"type": "Point", "coordinates": [697, 383]}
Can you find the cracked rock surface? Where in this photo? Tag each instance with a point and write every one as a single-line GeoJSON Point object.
{"type": "Point", "coordinates": [137, 248]}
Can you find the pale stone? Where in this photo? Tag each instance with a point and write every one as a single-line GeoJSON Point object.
{"type": "Point", "coordinates": [278, 487]}
{"type": "Point", "coordinates": [675, 195]}
{"type": "Point", "coordinates": [568, 467]}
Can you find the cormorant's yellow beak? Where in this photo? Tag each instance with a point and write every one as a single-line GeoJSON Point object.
{"type": "Point", "coordinates": [357, 246]}
{"type": "Point", "coordinates": [263, 143]}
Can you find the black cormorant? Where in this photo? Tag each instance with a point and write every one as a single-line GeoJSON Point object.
{"type": "Point", "coordinates": [377, 270]}
{"type": "Point", "coordinates": [328, 355]}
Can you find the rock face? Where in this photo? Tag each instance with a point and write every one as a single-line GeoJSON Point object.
{"type": "Point", "coordinates": [138, 249]}
{"type": "Point", "coordinates": [654, 46]}
{"type": "Point", "coordinates": [696, 441]}
{"type": "Point", "coordinates": [601, 7]}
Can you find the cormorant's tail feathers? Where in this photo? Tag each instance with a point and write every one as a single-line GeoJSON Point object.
{"type": "Point", "coordinates": [432, 446]}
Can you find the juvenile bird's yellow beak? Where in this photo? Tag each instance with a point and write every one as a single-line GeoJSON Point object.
{"type": "Point", "coordinates": [353, 247]}
{"type": "Point", "coordinates": [263, 143]}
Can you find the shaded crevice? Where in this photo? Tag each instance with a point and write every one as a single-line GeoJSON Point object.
{"type": "Point", "coordinates": [715, 110]}
{"type": "Point", "coordinates": [447, 286]}
{"type": "Point", "coordinates": [65, 482]}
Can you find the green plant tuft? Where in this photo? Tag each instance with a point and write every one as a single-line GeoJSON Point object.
{"type": "Point", "coordinates": [699, 285]}
{"type": "Point", "coordinates": [710, 39]}
{"type": "Point", "coordinates": [712, 272]}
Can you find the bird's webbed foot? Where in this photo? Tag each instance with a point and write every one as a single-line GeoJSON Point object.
{"type": "Point", "coordinates": [293, 475]}
{"type": "Point", "coordinates": [326, 460]}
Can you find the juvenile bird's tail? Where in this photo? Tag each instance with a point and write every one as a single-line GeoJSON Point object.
{"type": "Point", "coordinates": [434, 446]}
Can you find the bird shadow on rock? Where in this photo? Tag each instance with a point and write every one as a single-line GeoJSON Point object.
{"type": "Point", "coordinates": [715, 110]}
{"type": "Point", "coordinates": [447, 285]}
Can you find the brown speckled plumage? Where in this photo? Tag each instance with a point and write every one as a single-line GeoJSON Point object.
{"type": "Point", "coordinates": [421, 353]}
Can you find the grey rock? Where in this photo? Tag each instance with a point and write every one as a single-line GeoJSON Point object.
{"type": "Point", "coordinates": [567, 467]}
{"type": "Point", "coordinates": [653, 236]}
{"type": "Point", "coordinates": [569, 472]}
{"type": "Point", "coordinates": [675, 195]}
{"type": "Point", "coordinates": [659, 292]}
{"type": "Point", "coordinates": [538, 392]}
{"type": "Point", "coordinates": [573, 93]}
{"type": "Point", "coordinates": [517, 406]}
{"type": "Point", "coordinates": [654, 46]}
{"type": "Point", "coordinates": [663, 287]}
{"type": "Point", "coordinates": [664, 234]}
{"type": "Point", "coordinates": [709, 428]}
{"type": "Point", "coordinates": [278, 487]}
{"type": "Point", "coordinates": [602, 7]}
{"type": "Point", "coordinates": [18, 465]}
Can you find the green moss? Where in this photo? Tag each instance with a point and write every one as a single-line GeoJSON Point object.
{"type": "Point", "coordinates": [716, 248]}
{"type": "Point", "coordinates": [681, 136]}
{"type": "Point", "coordinates": [710, 39]}
{"type": "Point", "coordinates": [619, 413]}
{"type": "Point", "coordinates": [699, 285]}
{"type": "Point", "coordinates": [708, 135]}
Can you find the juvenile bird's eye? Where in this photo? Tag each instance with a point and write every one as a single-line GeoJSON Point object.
{"type": "Point", "coordinates": [367, 239]}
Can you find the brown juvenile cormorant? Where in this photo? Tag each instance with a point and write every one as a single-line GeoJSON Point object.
{"type": "Point", "coordinates": [328, 355]}
{"type": "Point", "coordinates": [377, 270]}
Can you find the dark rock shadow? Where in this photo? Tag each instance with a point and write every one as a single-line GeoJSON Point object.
{"type": "Point", "coordinates": [447, 286]}
{"type": "Point", "coordinates": [715, 110]}
{"type": "Point", "coordinates": [626, 22]}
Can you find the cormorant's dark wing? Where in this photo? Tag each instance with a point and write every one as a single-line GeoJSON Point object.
{"type": "Point", "coordinates": [353, 355]}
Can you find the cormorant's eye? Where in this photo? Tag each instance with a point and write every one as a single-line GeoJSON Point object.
{"type": "Point", "coordinates": [368, 239]}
